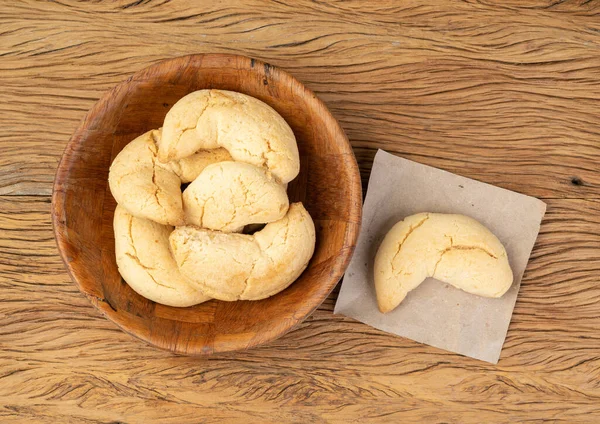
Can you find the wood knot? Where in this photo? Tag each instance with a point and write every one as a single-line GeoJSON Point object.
{"type": "Point", "coordinates": [577, 181]}
{"type": "Point", "coordinates": [267, 68]}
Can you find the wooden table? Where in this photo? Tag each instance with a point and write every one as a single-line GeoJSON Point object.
{"type": "Point", "coordinates": [505, 93]}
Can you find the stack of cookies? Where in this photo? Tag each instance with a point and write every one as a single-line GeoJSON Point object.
{"type": "Point", "coordinates": [183, 248]}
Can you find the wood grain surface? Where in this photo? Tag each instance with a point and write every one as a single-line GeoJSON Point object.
{"type": "Point", "coordinates": [503, 92]}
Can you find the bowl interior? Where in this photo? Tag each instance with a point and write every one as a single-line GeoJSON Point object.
{"type": "Point", "coordinates": [83, 207]}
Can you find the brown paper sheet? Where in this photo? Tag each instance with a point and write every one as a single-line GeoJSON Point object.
{"type": "Point", "coordinates": [436, 313]}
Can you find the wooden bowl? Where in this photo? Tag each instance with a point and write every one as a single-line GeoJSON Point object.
{"type": "Point", "coordinates": [82, 206]}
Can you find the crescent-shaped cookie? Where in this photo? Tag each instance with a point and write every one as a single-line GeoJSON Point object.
{"type": "Point", "coordinates": [246, 267]}
{"type": "Point", "coordinates": [146, 264]}
{"type": "Point", "coordinates": [250, 130]}
{"type": "Point", "coordinates": [454, 249]}
{"type": "Point", "coordinates": [226, 196]}
{"type": "Point", "coordinates": [188, 168]}
{"type": "Point", "coordinates": [150, 189]}
{"type": "Point", "coordinates": [144, 189]}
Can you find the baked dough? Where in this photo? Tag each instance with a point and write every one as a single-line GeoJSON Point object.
{"type": "Point", "coordinates": [250, 130]}
{"type": "Point", "coordinates": [247, 267]}
{"type": "Point", "coordinates": [226, 196]}
{"type": "Point", "coordinates": [238, 154]}
{"type": "Point", "coordinates": [146, 263]}
{"type": "Point", "coordinates": [150, 189]}
{"type": "Point", "coordinates": [143, 188]}
{"type": "Point", "coordinates": [189, 167]}
{"type": "Point", "coordinates": [454, 249]}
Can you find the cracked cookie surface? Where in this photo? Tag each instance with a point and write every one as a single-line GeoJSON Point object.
{"type": "Point", "coordinates": [455, 249]}
{"type": "Point", "coordinates": [238, 154]}
{"type": "Point", "coordinates": [246, 267]}
{"type": "Point", "coordinates": [250, 130]}
{"type": "Point", "coordinates": [226, 196]}
{"type": "Point", "coordinates": [150, 189]}
{"type": "Point", "coordinates": [140, 186]}
{"type": "Point", "coordinates": [189, 167]}
{"type": "Point", "coordinates": [146, 264]}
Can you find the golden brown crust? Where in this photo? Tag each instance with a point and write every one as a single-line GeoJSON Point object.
{"type": "Point", "coordinates": [249, 267]}
{"type": "Point", "coordinates": [455, 249]}
{"type": "Point", "coordinates": [250, 130]}
{"type": "Point", "coordinates": [146, 264]}
{"type": "Point", "coordinates": [239, 155]}
{"type": "Point", "coordinates": [142, 187]}
{"type": "Point", "coordinates": [226, 196]}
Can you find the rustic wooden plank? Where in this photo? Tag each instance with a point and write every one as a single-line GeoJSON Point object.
{"type": "Point", "coordinates": [61, 360]}
{"type": "Point", "coordinates": [506, 93]}
{"type": "Point", "coordinates": [503, 82]}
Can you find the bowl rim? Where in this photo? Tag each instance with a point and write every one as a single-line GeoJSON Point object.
{"type": "Point", "coordinates": [102, 305]}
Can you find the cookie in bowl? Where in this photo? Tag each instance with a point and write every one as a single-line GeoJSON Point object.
{"type": "Point", "coordinates": [238, 155]}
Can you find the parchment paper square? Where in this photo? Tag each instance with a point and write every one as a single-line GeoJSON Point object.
{"type": "Point", "coordinates": [435, 313]}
